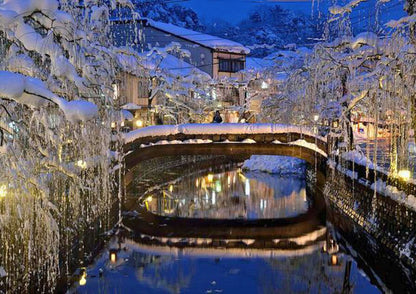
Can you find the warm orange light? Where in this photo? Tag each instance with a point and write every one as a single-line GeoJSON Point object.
{"type": "Point", "coordinates": [210, 177]}
{"type": "Point", "coordinates": [83, 279]}
{"type": "Point", "coordinates": [139, 123]}
{"type": "Point", "coordinates": [113, 257]}
{"type": "Point", "coordinates": [334, 259]}
{"type": "Point", "coordinates": [404, 175]}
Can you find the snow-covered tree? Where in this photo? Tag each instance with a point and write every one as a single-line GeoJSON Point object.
{"type": "Point", "coordinates": [57, 66]}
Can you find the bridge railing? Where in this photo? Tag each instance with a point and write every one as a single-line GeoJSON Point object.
{"type": "Point", "coordinates": [235, 132]}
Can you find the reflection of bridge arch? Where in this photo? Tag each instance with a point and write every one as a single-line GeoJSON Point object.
{"type": "Point", "coordinates": [191, 247]}
{"type": "Point", "coordinates": [264, 232]}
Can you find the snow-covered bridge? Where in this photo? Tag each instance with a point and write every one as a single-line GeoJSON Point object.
{"type": "Point", "coordinates": [272, 139]}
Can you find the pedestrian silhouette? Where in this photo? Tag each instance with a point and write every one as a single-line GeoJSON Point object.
{"type": "Point", "coordinates": [217, 117]}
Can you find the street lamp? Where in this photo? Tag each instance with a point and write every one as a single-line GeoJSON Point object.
{"type": "Point", "coordinates": [113, 255]}
{"type": "Point", "coordinates": [139, 123]}
{"type": "Point", "coordinates": [404, 174]}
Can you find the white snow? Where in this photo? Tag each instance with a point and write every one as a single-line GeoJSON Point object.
{"type": "Point", "coordinates": [209, 41]}
{"type": "Point", "coordinates": [395, 194]}
{"type": "Point", "coordinates": [308, 145]}
{"type": "Point", "coordinates": [220, 129]}
{"type": "Point", "coordinates": [274, 164]}
{"type": "Point", "coordinates": [361, 159]}
{"type": "Point", "coordinates": [2, 272]}
{"type": "Point", "coordinates": [131, 106]}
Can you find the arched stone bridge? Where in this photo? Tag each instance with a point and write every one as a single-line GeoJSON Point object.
{"type": "Point", "coordinates": [227, 139]}
{"type": "Point", "coordinates": [270, 139]}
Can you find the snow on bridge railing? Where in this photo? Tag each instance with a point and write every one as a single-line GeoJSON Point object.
{"type": "Point", "coordinates": [218, 129]}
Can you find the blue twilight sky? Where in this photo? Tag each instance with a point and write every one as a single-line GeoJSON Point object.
{"type": "Point", "coordinates": [234, 11]}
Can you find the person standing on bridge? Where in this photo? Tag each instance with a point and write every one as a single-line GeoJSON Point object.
{"type": "Point", "coordinates": [217, 117]}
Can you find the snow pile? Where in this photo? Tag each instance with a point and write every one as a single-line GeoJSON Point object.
{"type": "Point", "coordinates": [395, 194]}
{"type": "Point", "coordinates": [218, 129]}
{"type": "Point", "coordinates": [273, 164]}
{"type": "Point", "coordinates": [407, 249]}
{"type": "Point", "coordinates": [152, 131]}
{"type": "Point", "coordinates": [359, 158]}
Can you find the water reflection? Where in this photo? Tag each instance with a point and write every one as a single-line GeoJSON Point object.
{"type": "Point", "coordinates": [231, 194]}
{"type": "Point", "coordinates": [155, 269]}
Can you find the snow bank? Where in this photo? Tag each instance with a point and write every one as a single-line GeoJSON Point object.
{"type": "Point", "coordinates": [361, 159]}
{"type": "Point", "coordinates": [274, 164]}
{"type": "Point", "coordinates": [164, 130]}
{"type": "Point", "coordinates": [395, 194]}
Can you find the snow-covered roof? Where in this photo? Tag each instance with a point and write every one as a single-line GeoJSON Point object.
{"type": "Point", "coordinates": [174, 65]}
{"type": "Point", "coordinates": [131, 106]}
{"type": "Point", "coordinates": [212, 42]}
{"type": "Point", "coordinates": [205, 40]}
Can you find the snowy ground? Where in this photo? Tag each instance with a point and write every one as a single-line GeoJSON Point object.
{"type": "Point", "coordinates": [274, 164]}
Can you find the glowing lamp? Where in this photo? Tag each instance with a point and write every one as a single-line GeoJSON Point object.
{"type": "Point", "coordinates": [83, 279]}
{"type": "Point", "coordinates": [3, 191]}
{"type": "Point", "coordinates": [122, 123]}
{"type": "Point", "coordinates": [264, 85]}
{"type": "Point", "coordinates": [113, 125]}
{"type": "Point", "coordinates": [139, 123]}
{"type": "Point", "coordinates": [171, 188]}
{"type": "Point", "coordinates": [82, 164]}
{"type": "Point", "coordinates": [149, 199]}
{"type": "Point", "coordinates": [335, 124]}
{"type": "Point", "coordinates": [113, 255]}
{"type": "Point", "coordinates": [316, 117]}
{"type": "Point", "coordinates": [404, 174]}
{"type": "Point", "coordinates": [210, 177]}
{"type": "Point", "coordinates": [334, 259]}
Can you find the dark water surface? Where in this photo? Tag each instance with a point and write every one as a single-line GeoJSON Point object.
{"type": "Point", "coordinates": [315, 260]}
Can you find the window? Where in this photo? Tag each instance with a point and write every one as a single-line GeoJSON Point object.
{"type": "Point", "coordinates": [231, 65]}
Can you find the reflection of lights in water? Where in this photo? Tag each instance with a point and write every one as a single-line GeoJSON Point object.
{"type": "Point", "coordinates": [213, 197]}
{"type": "Point", "coordinates": [83, 279]}
{"type": "Point", "coordinates": [229, 180]}
{"type": "Point", "coordinates": [263, 204]}
{"type": "Point", "coordinates": [247, 187]}
{"type": "Point", "coordinates": [302, 193]}
{"type": "Point", "coordinates": [218, 187]}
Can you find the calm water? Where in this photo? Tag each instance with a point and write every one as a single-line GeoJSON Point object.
{"type": "Point", "coordinates": [231, 194]}
{"type": "Point", "coordinates": [146, 269]}
{"type": "Point", "coordinates": [312, 262]}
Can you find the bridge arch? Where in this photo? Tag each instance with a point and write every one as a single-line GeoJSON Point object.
{"type": "Point", "coordinates": [264, 139]}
